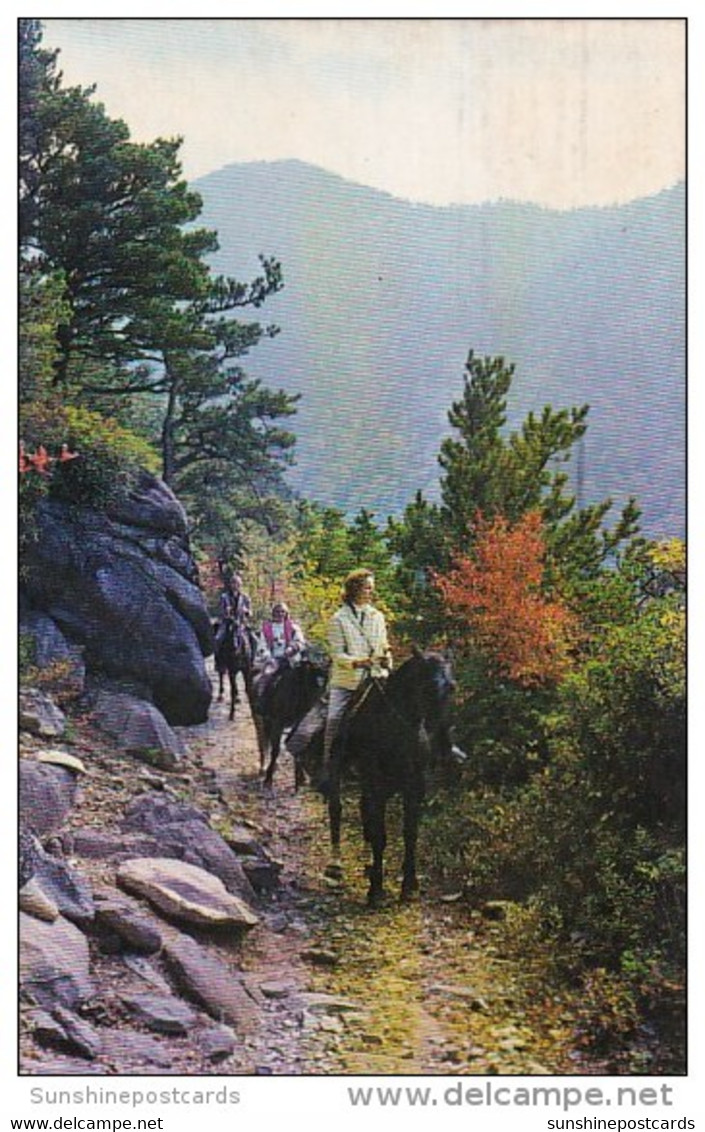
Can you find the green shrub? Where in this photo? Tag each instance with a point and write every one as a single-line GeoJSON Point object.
{"type": "Point", "coordinates": [107, 457]}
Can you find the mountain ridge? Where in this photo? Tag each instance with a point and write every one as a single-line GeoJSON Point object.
{"type": "Point", "coordinates": [384, 298]}
{"type": "Point", "coordinates": [283, 164]}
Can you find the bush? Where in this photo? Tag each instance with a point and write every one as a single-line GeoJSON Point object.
{"type": "Point", "coordinates": [625, 712]}
{"type": "Point", "coordinates": [108, 456]}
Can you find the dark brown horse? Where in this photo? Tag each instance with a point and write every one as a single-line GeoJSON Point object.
{"type": "Point", "coordinates": [233, 654]}
{"type": "Point", "coordinates": [388, 738]}
{"type": "Point", "coordinates": [287, 698]}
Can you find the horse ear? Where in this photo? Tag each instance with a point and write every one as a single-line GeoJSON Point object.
{"type": "Point", "coordinates": [416, 650]}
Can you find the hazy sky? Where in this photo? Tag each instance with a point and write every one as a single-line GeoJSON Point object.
{"type": "Point", "coordinates": [562, 112]}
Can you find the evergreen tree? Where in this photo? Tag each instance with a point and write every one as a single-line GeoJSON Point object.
{"type": "Point", "coordinates": [143, 317]}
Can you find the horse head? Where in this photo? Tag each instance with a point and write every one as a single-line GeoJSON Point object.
{"type": "Point", "coordinates": [435, 685]}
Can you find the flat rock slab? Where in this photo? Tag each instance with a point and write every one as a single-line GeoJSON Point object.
{"type": "Point", "coordinates": [165, 1014]}
{"type": "Point", "coordinates": [185, 892]}
{"type": "Point", "coordinates": [138, 930]}
{"type": "Point", "coordinates": [212, 984]}
{"type": "Point", "coordinates": [54, 962]}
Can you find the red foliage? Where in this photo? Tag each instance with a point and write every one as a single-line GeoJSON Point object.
{"type": "Point", "coordinates": [40, 461]}
{"type": "Point", "coordinates": [496, 594]}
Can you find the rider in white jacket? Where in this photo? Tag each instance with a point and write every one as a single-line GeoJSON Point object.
{"type": "Point", "coordinates": [357, 635]}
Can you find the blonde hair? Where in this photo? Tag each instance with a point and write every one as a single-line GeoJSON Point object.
{"type": "Point", "coordinates": [354, 583]}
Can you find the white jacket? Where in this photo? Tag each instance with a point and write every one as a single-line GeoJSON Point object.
{"type": "Point", "coordinates": [357, 634]}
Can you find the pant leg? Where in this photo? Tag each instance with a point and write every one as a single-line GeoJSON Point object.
{"type": "Point", "coordinates": [339, 700]}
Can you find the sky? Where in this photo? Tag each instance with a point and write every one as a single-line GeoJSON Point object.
{"type": "Point", "coordinates": [560, 112]}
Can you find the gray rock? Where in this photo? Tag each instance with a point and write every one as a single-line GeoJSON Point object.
{"type": "Point", "coordinates": [50, 644]}
{"type": "Point", "coordinates": [27, 846]}
{"type": "Point", "coordinates": [95, 845]}
{"type": "Point", "coordinates": [67, 1067]}
{"type": "Point", "coordinates": [183, 832]}
{"type": "Point", "coordinates": [54, 963]}
{"type": "Point", "coordinates": [328, 1003]}
{"type": "Point", "coordinates": [242, 840]}
{"type": "Point", "coordinates": [164, 1014]}
{"type": "Point", "coordinates": [185, 892]}
{"type": "Point", "coordinates": [138, 930]}
{"type": "Point", "coordinates": [138, 728]}
{"type": "Point", "coordinates": [40, 715]}
{"type": "Point", "coordinates": [65, 886]}
{"type": "Point", "coordinates": [210, 983]}
{"type": "Point", "coordinates": [217, 1043]}
{"type": "Point", "coordinates": [262, 874]}
{"type": "Point", "coordinates": [35, 902]}
{"type": "Point", "coordinates": [46, 1030]}
{"type": "Point", "coordinates": [82, 1038]}
{"type": "Point", "coordinates": [129, 1050]}
{"type": "Point", "coordinates": [277, 988]}
{"type": "Point", "coordinates": [47, 795]}
{"type": "Point", "coordinates": [141, 967]}
{"type": "Point", "coordinates": [122, 584]}
{"type": "Point", "coordinates": [150, 813]}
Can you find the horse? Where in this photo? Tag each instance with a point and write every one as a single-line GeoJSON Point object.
{"type": "Point", "coordinates": [232, 655]}
{"type": "Point", "coordinates": [292, 692]}
{"type": "Point", "coordinates": [387, 736]}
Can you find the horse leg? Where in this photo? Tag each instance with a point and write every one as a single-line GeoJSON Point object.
{"type": "Point", "coordinates": [299, 774]}
{"type": "Point", "coordinates": [274, 746]}
{"type": "Point", "coordinates": [263, 744]}
{"type": "Point", "coordinates": [375, 834]}
{"type": "Point", "coordinates": [232, 676]}
{"type": "Point", "coordinates": [221, 684]}
{"type": "Point", "coordinates": [334, 869]}
{"type": "Point", "coordinates": [412, 811]}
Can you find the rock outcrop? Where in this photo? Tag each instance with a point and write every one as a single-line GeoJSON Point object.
{"type": "Point", "coordinates": [119, 588]}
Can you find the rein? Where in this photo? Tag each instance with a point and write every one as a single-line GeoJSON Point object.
{"type": "Point", "coordinates": [379, 684]}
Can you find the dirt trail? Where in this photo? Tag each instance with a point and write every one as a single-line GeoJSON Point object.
{"type": "Point", "coordinates": [414, 989]}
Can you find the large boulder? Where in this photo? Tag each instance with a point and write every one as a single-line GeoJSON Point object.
{"type": "Point", "coordinates": [137, 727]}
{"type": "Point", "coordinates": [122, 584]}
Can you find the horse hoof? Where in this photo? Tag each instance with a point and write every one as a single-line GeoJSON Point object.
{"type": "Point", "coordinates": [408, 895]}
{"type": "Point", "coordinates": [333, 871]}
{"type": "Point", "coordinates": [375, 899]}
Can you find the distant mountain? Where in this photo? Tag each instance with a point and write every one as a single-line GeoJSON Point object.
{"type": "Point", "coordinates": [384, 298]}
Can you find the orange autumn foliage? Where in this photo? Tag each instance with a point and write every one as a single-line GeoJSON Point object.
{"type": "Point", "coordinates": [496, 594]}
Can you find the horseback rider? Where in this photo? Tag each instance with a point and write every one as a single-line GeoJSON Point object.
{"type": "Point", "coordinates": [282, 642]}
{"type": "Point", "coordinates": [282, 635]}
{"type": "Point", "coordinates": [235, 604]}
{"type": "Point", "coordinates": [357, 635]}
